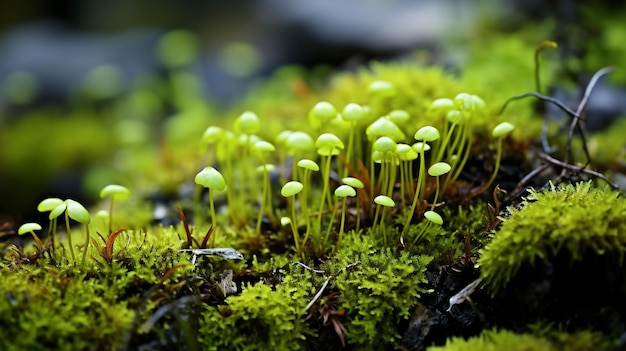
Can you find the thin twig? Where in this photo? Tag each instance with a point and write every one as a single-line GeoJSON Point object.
{"type": "Point", "coordinates": [578, 115]}
{"type": "Point", "coordinates": [544, 127]}
{"type": "Point", "coordinates": [319, 271]}
{"type": "Point", "coordinates": [576, 169]}
{"type": "Point", "coordinates": [317, 296]}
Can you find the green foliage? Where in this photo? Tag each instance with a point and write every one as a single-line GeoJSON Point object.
{"type": "Point", "coordinates": [379, 288]}
{"type": "Point", "coordinates": [260, 318]}
{"type": "Point", "coordinates": [493, 340]}
{"type": "Point", "coordinates": [578, 219]}
{"type": "Point", "coordinates": [48, 310]}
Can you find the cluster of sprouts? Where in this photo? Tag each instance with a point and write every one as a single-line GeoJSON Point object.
{"type": "Point", "coordinates": [356, 168]}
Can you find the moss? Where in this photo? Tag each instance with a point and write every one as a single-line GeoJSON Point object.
{"type": "Point", "coordinates": [52, 305]}
{"type": "Point", "coordinates": [510, 341]}
{"type": "Point", "coordinates": [379, 288]}
{"type": "Point", "coordinates": [576, 219]}
{"type": "Point", "coordinates": [52, 310]}
{"type": "Point", "coordinates": [260, 318]}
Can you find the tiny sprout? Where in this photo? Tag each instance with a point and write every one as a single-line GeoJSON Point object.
{"type": "Point", "coordinates": [30, 228]}
{"type": "Point", "coordinates": [381, 88]}
{"type": "Point", "coordinates": [212, 179]}
{"type": "Point", "coordinates": [309, 165]}
{"type": "Point", "coordinates": [328, 144]}
{"type": "Point", "coordinates": [77, 212]}
{"type": "Point", "coordinates": [498, 132]}
{"type": "Point", "coordinates": [357, 184]}
{"type": "Point", "coordinates": [247, 123]}
{"type": "Point", "coordinates": [502, 129]}
{"type": "Point", "coordinates": [433, 217]}
{"type": "Point", "coordinates": [386, 202]}
{"type": "Point", "coordinates": [427, 133]}
{"type": "Point", "coordinates": [353, 112]}
{"type": "Point", "coordinates": [385, 144]}
{"type": "Point", "coordinates": [420, 148]}
{"type": "Point", "coordinates": [324, 111]}
{"type": "Point", "coordinates": [438, 169]}
{"type": "Point", "coordinates": [48, 205]}
{"type": "Point", "coordinates": [285, 221]}
{"type": "Point", "coordinates": [262, 147]}
{"type": "Point", "coordinates": [343, 191]}
{"type": "Point", "coordinates": [290, 190]}
{"type": "Point", "coordinates": [114, 191]}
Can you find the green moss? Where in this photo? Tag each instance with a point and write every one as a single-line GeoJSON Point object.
{"type": "Point", "coordinates": [52, 310]}
{"type": "Point", "coordinates": [379, 288]}
{"type": "Point", "coordinates": [507, 340]}
{"type": "Point", "coordinates": [575, 219]}
{"type": "Point", "coordinates": [262, 317]}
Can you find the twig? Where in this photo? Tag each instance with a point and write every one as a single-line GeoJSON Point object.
{"type": "Point", "coordinates": [578, 115]}
{"type": "Point", "coordinates": [576, 169]}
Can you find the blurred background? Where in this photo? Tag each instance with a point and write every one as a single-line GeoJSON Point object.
{"type": "Point", "coordinates": [92, 91]}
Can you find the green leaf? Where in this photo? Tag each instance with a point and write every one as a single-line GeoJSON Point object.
{"type": "Point", "coordinates": [77, 212]}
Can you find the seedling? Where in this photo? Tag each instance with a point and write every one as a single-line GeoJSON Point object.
{"type": "Point", "coordinates": [327, 145]}
{"type": "Point", "coordinates": [77, 212]}
{"type": "Point", "coordinates": [384, 153]}
{"type": "Point", "coordinates": [432, 217]}
{"type": "Point", "coordinates": [262, 147]}
{"type": "Point", "coordinates": [343, 191]}
{"type": "Point", "coordinates": [353, 114]}
{"type": "Point", "coordinates": [308, 166]}
{"type": "Point", "coordinates": [498, 132]}
{"type": "Point", "coordinates": [437, 170]}
{"type": "Point", "coordinates": [420, 148]}
{"type": "Point", "coordinates": [290, 190]}
{"type": "Point", "coordinates": [384, 202]}
{"type": "Point", "coordinates": [322, 113]}
{"type": "Point", "coordinates": [356, 184]}
{"type": "Point", "coordinates": [30, 228]}
{"type": "Point", "coordinates": [299, 144]}
{"type": "Point", "coordinates": [114, 191]}
{"type": "Point", "coordinates": [48, 205]}
{"type": "Point", "coordinates": [406, 155]}
{"type": "Point", "coordinates": [247, 125]}
{"type": "Point", "coordinates": [213, 180]}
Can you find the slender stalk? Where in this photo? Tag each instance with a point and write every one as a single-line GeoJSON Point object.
{"type": "Point", "coordinates": [69, 236]}
{"type": "Point", "coordinates": [420, 178]}
{"type": "Point", "coordinates": [213, 216]}
{"type": "Point", "coordinates": [87, 240]}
